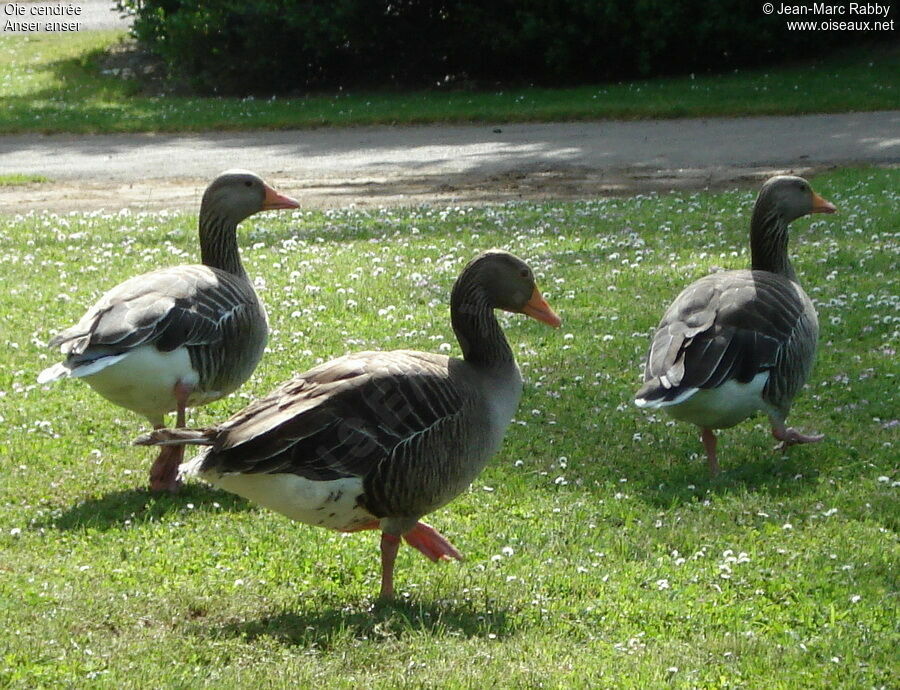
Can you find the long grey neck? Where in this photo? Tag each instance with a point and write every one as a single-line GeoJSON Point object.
{"type": "Point", "coordinates": [218, 243]}
{"type": "Point", "coordinates": [769, 242]}
{"type": "Point", "coordinates": [477, 330]}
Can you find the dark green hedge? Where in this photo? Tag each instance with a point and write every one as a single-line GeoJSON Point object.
{"type": "Point", "coordinates": [258, 46]}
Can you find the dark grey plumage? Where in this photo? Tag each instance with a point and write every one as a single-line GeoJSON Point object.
{"type": "Point", "coordinates": [379, 439]}
{"type": "Point", "coordinates": [387, 418]}
{"type": "Point", "coordinates": [733, 326]}
{"type": "Point", "coordinates": [740, 341]}
{"type": "Point", "coordinates": [178, 336]}
{"type": "Point", "coordinates": [216, 316]}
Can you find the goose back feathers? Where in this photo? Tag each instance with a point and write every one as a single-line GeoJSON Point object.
{"type": "Point", "coordinates": [215, 317]}
{"type": "Point", "coordinates": [178, 336]}
{"type": "Point", "coordinates": [738, 342]}
{"type": "Point", "coordinates": [379, 439]}
{"type": "Point", "coordinates": [396, 422]}
{"type": "Point", "coordinates": [210, 311]}
{"type": "Point", "coordinates": [732, 326]}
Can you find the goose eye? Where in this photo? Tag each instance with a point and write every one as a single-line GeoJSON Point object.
{"type": "Point", "coordinates": [248, 183]}
{"type": "Point", "coordinates": [524, 273]}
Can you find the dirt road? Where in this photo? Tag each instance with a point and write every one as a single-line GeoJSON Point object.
{"type": "Point", "coordinates": [475, 163]}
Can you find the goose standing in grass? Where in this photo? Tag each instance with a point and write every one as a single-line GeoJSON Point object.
{"type": "Point", "coordinates": [738, 342]}
{"type": "Point", "coordinates": [180, 336]}
{"type": "Point", "coordinates": [376, 440]}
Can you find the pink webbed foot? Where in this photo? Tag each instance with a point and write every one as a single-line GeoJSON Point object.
{"type": "Point", "coordinates": [791, 437]}
{"type": "Point", "coordinates": [164, 472]}
{"type": "Point", "coordinates": [421, 537]}
{"type": "Point", "coordinates": [432, 543]}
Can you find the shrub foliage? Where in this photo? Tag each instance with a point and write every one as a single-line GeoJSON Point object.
{"type": "Point", "coordinates": [278, 46]}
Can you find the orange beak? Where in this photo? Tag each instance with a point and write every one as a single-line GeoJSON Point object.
{"type": "Point", "coordinates": [819, 205]}
{"type": "Point", "coordinates": [274, 200]}
{"type": "Point", "coordinates": [538, 309]}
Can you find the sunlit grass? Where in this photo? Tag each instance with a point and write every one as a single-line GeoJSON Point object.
{"type": "Point", "coordinates": [55, 84]}
{"type": "Point", "coordinates": [599, 554]}
{"type": "Point", "coordinates": [16, 179]}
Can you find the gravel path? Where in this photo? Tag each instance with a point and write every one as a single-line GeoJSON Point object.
{"type": "Point", "coordinates": [469, 163]}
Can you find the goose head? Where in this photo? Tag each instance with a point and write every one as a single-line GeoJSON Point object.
{"type": "Point", "coordinates": [238, 194]}
{"type": "Point", "coordinates": [792, 197]}
{"type": "Point", "coordinates": [508, 283]}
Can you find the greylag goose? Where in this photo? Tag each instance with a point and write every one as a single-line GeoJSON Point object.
{"type": "Point", "coordinates": [738, 342]}
{"type": "Point", "coordinates": [376, 440]}
{"type": "Point", "coordinates": [180, 336]}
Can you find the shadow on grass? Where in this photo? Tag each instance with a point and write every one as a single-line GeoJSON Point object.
{"type": "Point", "coordinates": [381, 621]}
{"type": "Point", "coordinates": [774, 475]}
{"type": "Point", "coordinates": [685, 478]}
{"type": "Point", "coordinates": [135, 506]}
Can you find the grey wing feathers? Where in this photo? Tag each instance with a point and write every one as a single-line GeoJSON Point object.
{"type": "Point", "coordinates": [340, 419]}
{"type": "Point", "coordinates": [185, 305]}
{"type": "Point", "coordinates": [725, 326]}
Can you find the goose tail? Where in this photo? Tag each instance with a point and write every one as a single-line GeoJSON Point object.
{"type": "Point", "coordinates": [54, 373]}
{"type": "Point", "coordinates": [654, 394]}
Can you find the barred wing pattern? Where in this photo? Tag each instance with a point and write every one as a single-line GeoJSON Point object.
{"type": "Point", "coordinates": [184, 306]}
{"type": "Point", "coordinates": [732, 325]}
{"type": "Point", "coordinates": [392, 419]}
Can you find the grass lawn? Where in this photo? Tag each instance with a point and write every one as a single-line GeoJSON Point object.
{"type": "Point", "coordinates": [55, 84]}
{"type": "Point", "coordinates": [16, 179]}
{"type": "Point", "coordinates": [599, 553]}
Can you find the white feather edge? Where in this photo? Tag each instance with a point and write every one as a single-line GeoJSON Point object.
{"type": "Point", "coordinates": [141, 380]}
{"type": "Point", "coordinates": [645, 404]}
{"type": "Point", "coordinates": [191, 468]}
{"type": "Point", "coordinates": [720, 407]}
{"type": "Point", "coordinates": [64, 369]}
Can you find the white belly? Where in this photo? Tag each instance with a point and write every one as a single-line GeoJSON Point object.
{"type": "Point", "coordinates": [722, 407]}
{"type": "Point", "coordinates": [330, 504]}
{"type": "Point", "coordinates": [143, 381]}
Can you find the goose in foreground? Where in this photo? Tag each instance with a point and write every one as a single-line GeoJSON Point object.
{"type": "Point", "coordinates": [180, 336]}
{"type": "Point", "coordinates": [376, 440]}
{"type": "Point", "coordinates": [738, 342]}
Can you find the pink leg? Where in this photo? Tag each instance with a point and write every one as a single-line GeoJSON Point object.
{"type": "Point", "coordinates": [790, 436]}
{"type": "Point", "coordinates": [432, 543]}
{"type": "Point", "coordinates": [708, 436]}
{"type": "Point", "coordinates": [389, 546]}
{"type": "Point", "coordinates": [164, 472]}
{"type": "Point", "coordinates": [422, 537]}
